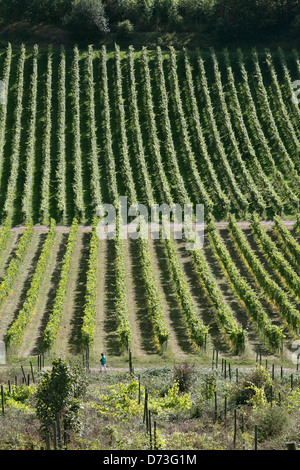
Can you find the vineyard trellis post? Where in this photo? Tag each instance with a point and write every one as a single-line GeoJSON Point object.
{"type": "Point", "coordinates": [2, 399]}
{"type": "Point", "coordinates": [32, 372]}
{"type": "Point", "coordinates": [235, 428]}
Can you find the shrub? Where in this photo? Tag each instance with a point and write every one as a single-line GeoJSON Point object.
{"type": "Point", "coordinates": [124, 29]}
{"type": "Point", "coordinates": [271, 422]}
{"type": "Point", "coordinates": [256, 383]}
{"type": "Point", "coordinates": [87, 19]}
{"type": "Point", "coordinates": [58, 392]}
{"type": "Point", "coordinates": [184, 376]}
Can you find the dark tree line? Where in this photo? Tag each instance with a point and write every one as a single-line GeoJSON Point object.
{"type": "Point", "coordinates": [93, 18]}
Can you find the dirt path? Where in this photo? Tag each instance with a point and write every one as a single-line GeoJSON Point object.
{"type": "Point", "coordinates": [65, 339]}
{"type": "Point", "coordinates": [100, 340]}
{"type": "Point", "coordinates": [132, 302]}
{"type": "Point", "coordinates": [220, 225]}
{"type": "Point", "coordinates": [30, 344]}
{"type": "Point", "coordinates": [178, 342]}
{"type": "Point", "coordinates": [7, 253]}
{"type": "Point", "coordinates": [14, 302]}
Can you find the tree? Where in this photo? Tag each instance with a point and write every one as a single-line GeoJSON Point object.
{"type": "Point", "coordinates": [87, 19]}
{"type": "Point", "coordinates": [58, 392]}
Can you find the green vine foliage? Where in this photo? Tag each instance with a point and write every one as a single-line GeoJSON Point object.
{"type": "Point", "coordinates": [59, 391]}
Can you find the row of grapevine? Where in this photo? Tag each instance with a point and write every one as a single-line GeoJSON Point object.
{"type": "Point", "coordinates": [46, 151]}
{"type": "Point", "coordinates": [6, 74]}
{"type": "Point", "coordinates": [270, 121]}
{"type": "Point", "coordinates": [127, 171]}
{"type": "Point", "coordinates": [15, 332]}
{"type": "Point", "coordinates": [269, 288]}
{"type": "Point", "coordinates": [61, 137]}
{"type": "Point", "coordinates": [54, 321]}
{"type": "Point", "coordinates": [244, 292]}
{"type": "Point", "coordinates": [89, 313]}
{"type": "Point", "coordinates": [198, 332]}
{"type": "Point", "coordinates": [294, 108]}
{"type": "Point", "coordinates": [280, 265]}
{"type": "Point", "coordinates": [265, 154]}
{"type": "Point", "coordinates": [203, 196]}
{"type": "Point", "coordinates": [174, 170]}
{"type": "Point", "coordinates": [16, 139]}
{"type": "Point", "coordinates": [93, 151]}
{"type": "Point", "coordinates": [234, 335]}
{"type": "Point", "coordinates": [236, 192]}
{"type": "Point", "coordinates": [237, 161]}
{"type": "Point", "coordinates": [222, 198]}
{"type": "Point", "coordinates": [76, 130]}
{"type": "Point", "coordinates": [153, 132]}
{"type": "Point", "coordinates": [153, 298]}
{"type": "Point", "coordinates": [288, 127]}
{"type": "Point", "coordinates": [121, 306]}
{"type": "Point", "coordinates": [289, 244]}
{"type": "Point", "coordinates": [31, 139]}
{"type": "Point", "coordinates": [110, 160]}
{"type": "Point", "coordinates": [145, 179]}
{"type": "Point", "coordinates": [15, 263]}
{"type": "Point", "coordinates": [5, 233]}
{"type": "Point", "coordinates": [270, 193]}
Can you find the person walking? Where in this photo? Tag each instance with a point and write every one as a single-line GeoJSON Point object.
{"type": "Point", "coordinates": [103, 363]}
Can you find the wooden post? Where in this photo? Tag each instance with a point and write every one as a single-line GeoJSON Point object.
{"type": "Point", "coordinates": [255, 438]}
{"type": "Point", "coordinates": [217, 356]}
{"type": "Point", "coordinates": [139, 389]}
{"type": "Point", "coordinates": [2, 399]}
{"type": "Point", "coordinates": [149, 425]}
{"type": "Point", "coordinates": [291, 445]}
{"type": "Point", "coordinates": [130, 363]}
{"type": "Point", "coordinates": [273, 371]}
{"type": "Point", "coordinates": [65, 439]}
{"type": "Point", "coordinates": [58, 429]}
{"type": "Point", "coordinates": [234, 432]}
{"type": "Point", "coordinates": [54, 436]}
{"type": "Point", "coordinates": [271, 396]}
{"type": "Point", "coordinates": [237, 375]}
{"type": "Point", "coordinates": [145, 405]}
{"type": "Point", "coordinates": [32, 373]}
{"type": "Point", "coordinates": [9, 387]}
{"type": "Point", "coordinates": [225, 409]}
{"type": "Point", "coordinates": [48, 446]}
{"type": "Point", "coordinates": [154, 437]}
{"type": "Point", "coordinates": [24, 376]}
{"type": "Point", "coordinates": [216, 406]}
{"type": "Point", "coordinates": [88, 358]}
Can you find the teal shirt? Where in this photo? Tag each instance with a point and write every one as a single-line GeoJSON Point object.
{"type": "Point", "coordinates": [103, 360]}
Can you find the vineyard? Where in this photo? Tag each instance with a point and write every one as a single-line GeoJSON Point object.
{"type": "Point", "coordinates": [80, 128]}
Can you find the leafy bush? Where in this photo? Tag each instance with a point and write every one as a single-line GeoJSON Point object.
{"type": "Point", "coordinates": [184, 376]}
{"type": "Point", "coordinates": [58, 392]}
{"type": "Point", "coordinates": [271, 422]}
{"type": "Point", "coordinates": [257, 383]}
{"type": "Point", "coordinates": [87, 19]}
{"type": "Point", "coordinates": [124, 29]}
